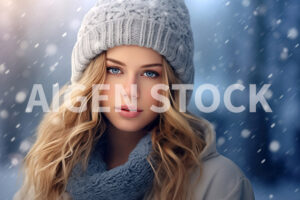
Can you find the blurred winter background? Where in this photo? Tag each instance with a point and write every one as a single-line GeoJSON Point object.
{"type": "Point", "coordinates": [240, 41]}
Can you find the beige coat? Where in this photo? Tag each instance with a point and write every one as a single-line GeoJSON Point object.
{"type": "Point", "coordinates": [221, 178]}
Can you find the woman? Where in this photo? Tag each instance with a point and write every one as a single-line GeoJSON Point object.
{"type": "Point", "coordinates": [108, 150]}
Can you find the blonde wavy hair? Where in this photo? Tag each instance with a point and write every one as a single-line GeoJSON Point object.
{"type": "Point", "coordinates": [65, 138]}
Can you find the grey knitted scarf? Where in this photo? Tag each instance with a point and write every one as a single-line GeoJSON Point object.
{"type": "Point", "coordinates": [130, 180]}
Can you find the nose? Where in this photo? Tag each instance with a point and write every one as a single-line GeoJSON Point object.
{"type": "Point", "coordinates": [131, 86]}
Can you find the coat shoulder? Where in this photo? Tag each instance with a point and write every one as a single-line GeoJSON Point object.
{"type": "Point", "coordinates": [222, 179]}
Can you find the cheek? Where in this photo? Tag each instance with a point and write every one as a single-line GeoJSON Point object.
{"type": "Point", "coordinates": [109, 93]}
{"type": "Point", "coordinates": [146, 95]}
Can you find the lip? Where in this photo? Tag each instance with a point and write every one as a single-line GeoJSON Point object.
{"type": "Point", "coordinates": [126, 112]}
{"type": "Point", "coordinates": [131, 108]}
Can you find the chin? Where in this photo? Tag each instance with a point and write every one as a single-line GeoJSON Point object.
{"type": "Point", "coordinates": [128, 126]}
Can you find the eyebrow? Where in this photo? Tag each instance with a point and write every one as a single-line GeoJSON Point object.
{"type": "Point", "coordinates": [147, 65]}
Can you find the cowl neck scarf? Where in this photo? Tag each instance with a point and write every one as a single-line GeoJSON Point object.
{"type": "Point", "coordinates": [130, 180]}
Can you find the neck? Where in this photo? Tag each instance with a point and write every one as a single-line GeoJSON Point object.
{"type": "Point", "coordinates": [120, 144]}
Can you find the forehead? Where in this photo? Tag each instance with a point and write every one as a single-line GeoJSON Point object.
{"type": "Point", "coordinates": [131, 54]}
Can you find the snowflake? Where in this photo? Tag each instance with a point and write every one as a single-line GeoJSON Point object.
{"type": "Point", "coordinates": [21, 96]}
{"type": "Point", "coordinates": [24, 146]}
{"type": "Point", "coordinates": [53, 67]}
{"type": "Point", "coordinates": [18, 125]}
{"type": "Point", "coordinates": [51, 50]}
{"type": "Point", "coordinates": [74, 24]}
{"type": "Point", "coordinates": [268, 94]}
{"type": "Point", "coordinates": [278, 21]}
{"type": "Point", "coordinates": [292, 33]}
{"type": "Point", "coordinates": [270, 75]}
{"type": "Point", "coordinates": [78, 9]}
{"type": "Point", "coordinates": [56, 120]}
{"type": "Point", "coordinates": [272, 125]}
{"type": "Point", "coordinates": [245, 133]}
{"type": "Point", "coordinates": [281, 96]}
{"type": "Point", "coordinates": [239, 81]}
{"type": "Point", "coordinates": [24, 45]}
{"type": "Point", "coordinates": [2, 68]}
{"type": "Point", "coordinates": [284, 53]}
{"type": "Point", "coordinates": [64, 34]}
{"type": "Point", "coordinates": [274, 146]}
{"type": "Point", "coordinates": [14, 161]}
{"type": "Point", "coordinates": [3, 114]}
{"type": "Point", "coordinates": [221, 141]}
{"type": "Point", "coordinates": [181, 48]}
{"type": "Point", "coordinates": [246, 3]}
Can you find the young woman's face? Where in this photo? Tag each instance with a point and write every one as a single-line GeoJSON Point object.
{"type": "Point", "coordinates": [127, 65]}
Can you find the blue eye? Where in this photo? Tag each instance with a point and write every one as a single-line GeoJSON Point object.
{"type": "Point", "coordinates": [151, 74]}
{"type": "Point", "coordinates": [116, 71]}
{"type": "Point", "coordinates": [113, 70]}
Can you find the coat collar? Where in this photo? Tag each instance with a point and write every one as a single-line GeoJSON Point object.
{"type": "Point", "coordinates": [209, 150]}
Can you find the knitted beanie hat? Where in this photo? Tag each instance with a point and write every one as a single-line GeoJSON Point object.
{"type": "Point", "coordinates": [163, 25]}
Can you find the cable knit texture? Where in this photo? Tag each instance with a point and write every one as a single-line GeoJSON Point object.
{"type": "Point", "coordinates": [163, 25]}
{"type": "Point", "coordinates": [128, 181]}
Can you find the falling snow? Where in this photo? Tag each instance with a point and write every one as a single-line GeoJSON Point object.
{"type": "Point", "coordinates": [268, 94]}
{"type": "Point", "coordinates": [245, 3]}
{"type": "Point", "coordinates": [78, 9]}
{"type": "Point", "coordinates": [227, 50]}
{"type": "Point", "coordinates": [221, 141]}
{"type": "Point", "coordinates": [24, 45]}
{"type": "Point", "coordinates": [284, 53]}
{"type": "Point", "coordinates": [2, 68]}
{"type": "Point", "coordinates": [74, 24]}
{"type": "Point", "coordinates": [14, 161]}
{"type": "Point", "coordinates": [292, 33]}
{"type": "Point", "coordinates": [245, 133]}
{"type": "Point", "coordinates": [272, 125]}
{"type": "Point", "coordinates": [24, 146]}
{"type": "Point", "coordinates": [3, 114]}
{"type": "Point", "coordinates": [278, 21]}
{"type": "Point", "coordinates": [270, 75]}
{"type": "Point", "coordinates": [64, 34]}
{"type": "Point", "coordinates": [56, 121]}
{"type": "Point", "coordinates": [274, 146]}
{"type": "Point", "coordinates": [51, 50]}
{"type": "Point", "coordinates": [20, 97]}
{"type": "Point", "coordinates": [53, 67]}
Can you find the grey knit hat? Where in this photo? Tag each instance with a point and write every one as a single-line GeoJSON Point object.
{"type": "Point", "coordinates": [163, 25]}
